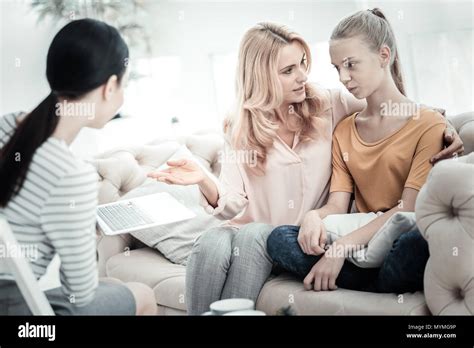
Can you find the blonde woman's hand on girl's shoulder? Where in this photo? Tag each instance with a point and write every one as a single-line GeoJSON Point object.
{"type": "Point", "coordinates": [453, 143]}
{"type": "Point", "coordinates": [451, 139]}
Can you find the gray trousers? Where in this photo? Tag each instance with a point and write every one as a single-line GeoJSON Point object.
{"type": "Point", "coordinates": [227, 262]}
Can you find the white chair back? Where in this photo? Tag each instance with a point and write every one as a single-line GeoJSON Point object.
{"type": "Point", "coordinates": [19, 266]}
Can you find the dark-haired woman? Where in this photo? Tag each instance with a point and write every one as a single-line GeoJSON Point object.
{"type": "Point", "coordinates": [47, 195]}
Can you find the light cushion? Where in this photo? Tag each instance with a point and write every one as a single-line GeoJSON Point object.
{"type": "Point", "coordinates": [149, 267]}
{"type": "Point", "coordinates": [286, 290]}
{"type": "Point", "coordinates": [175, 240]}
{"type": "Point", "coordinates": [379, 246]}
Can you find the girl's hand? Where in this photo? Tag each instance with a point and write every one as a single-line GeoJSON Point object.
{"type": "Point", "coordinates": [455, 146]}
{"type": "Point", "coordinates": [324, 273]}
{"type": "Point", "coordinates": [181, 172]}
{"type": "Point", "coordinates": [312, 236]}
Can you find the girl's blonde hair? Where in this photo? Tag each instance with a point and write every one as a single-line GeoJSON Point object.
{"type": "Point", "coordinates": [376, 31]}
{"type": "Point", "coordinates": [253, 125]}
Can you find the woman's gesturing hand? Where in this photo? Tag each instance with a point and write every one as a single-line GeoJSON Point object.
{"type": "Point", "coordinates": [181, 172]}
{"type": "Point", "coordinates": [312, 236]}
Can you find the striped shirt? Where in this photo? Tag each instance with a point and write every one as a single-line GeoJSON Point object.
{"type": "Point", "coordinates": [54, 212]}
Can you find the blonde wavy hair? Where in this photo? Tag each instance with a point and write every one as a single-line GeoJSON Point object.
{"type": "Point", "coordinates": [253, 124]}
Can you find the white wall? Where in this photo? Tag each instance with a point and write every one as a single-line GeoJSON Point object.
{"type": "Point", "coordinates": [193, 31]}
{"type": "Point", "coordinates": [23, 47]}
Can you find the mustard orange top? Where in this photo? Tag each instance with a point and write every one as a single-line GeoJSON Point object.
{"type": "Point", "coordinates": [378, 172]}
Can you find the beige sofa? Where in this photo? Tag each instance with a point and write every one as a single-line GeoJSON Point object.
{"type": "Point", "coordinates": [445, 215]}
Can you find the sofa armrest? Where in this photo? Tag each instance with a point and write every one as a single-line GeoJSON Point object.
{"type": "Point", "coordinates": [464, 124]}
{"type": "Point", "coordinates": [445, 216]}
{"type": "Point", "coordinates": [124, 169]}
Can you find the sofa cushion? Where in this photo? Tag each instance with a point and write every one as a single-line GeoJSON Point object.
{"type": "Point", "coordinates": [372, 256]}
{"type": "Point", "coordinates": [175, 240]}
{"type": "Point", "coordinates": [285, 290]}
{"type": "Point", "coordinates": [148, 266]}
{"type": "Point", "coordinates": [339, 225]}
{"type": "Point", "coordinates": [168, 282]}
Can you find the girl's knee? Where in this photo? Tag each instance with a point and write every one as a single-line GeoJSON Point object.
{"type": "Point", "coordinates": [412, 240]}
{"type": "Point", "coordinates": [277, 240]}
{"type": "Point", "coordinates": [211, 252]}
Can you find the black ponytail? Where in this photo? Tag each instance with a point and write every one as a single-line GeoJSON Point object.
{"type": "Point", "coordinates": [18, 152]}
{"type": "Point", "coordinates": [83, 56]}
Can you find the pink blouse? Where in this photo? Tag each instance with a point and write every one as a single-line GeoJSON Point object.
{"type": "Point", "coordinates": [296, 179]}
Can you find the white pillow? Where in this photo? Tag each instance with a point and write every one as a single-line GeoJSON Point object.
{"type": "Point", "coordinates": [381, 243]}
{"type": "Point", "coordinates": [175, 241]}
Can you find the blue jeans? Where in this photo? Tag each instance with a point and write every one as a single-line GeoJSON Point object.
{"type": "Point", "coordinates": [402, 270]}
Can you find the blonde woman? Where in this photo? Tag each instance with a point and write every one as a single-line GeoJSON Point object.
{"type": "Point", "coordinates": [284, 125]}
